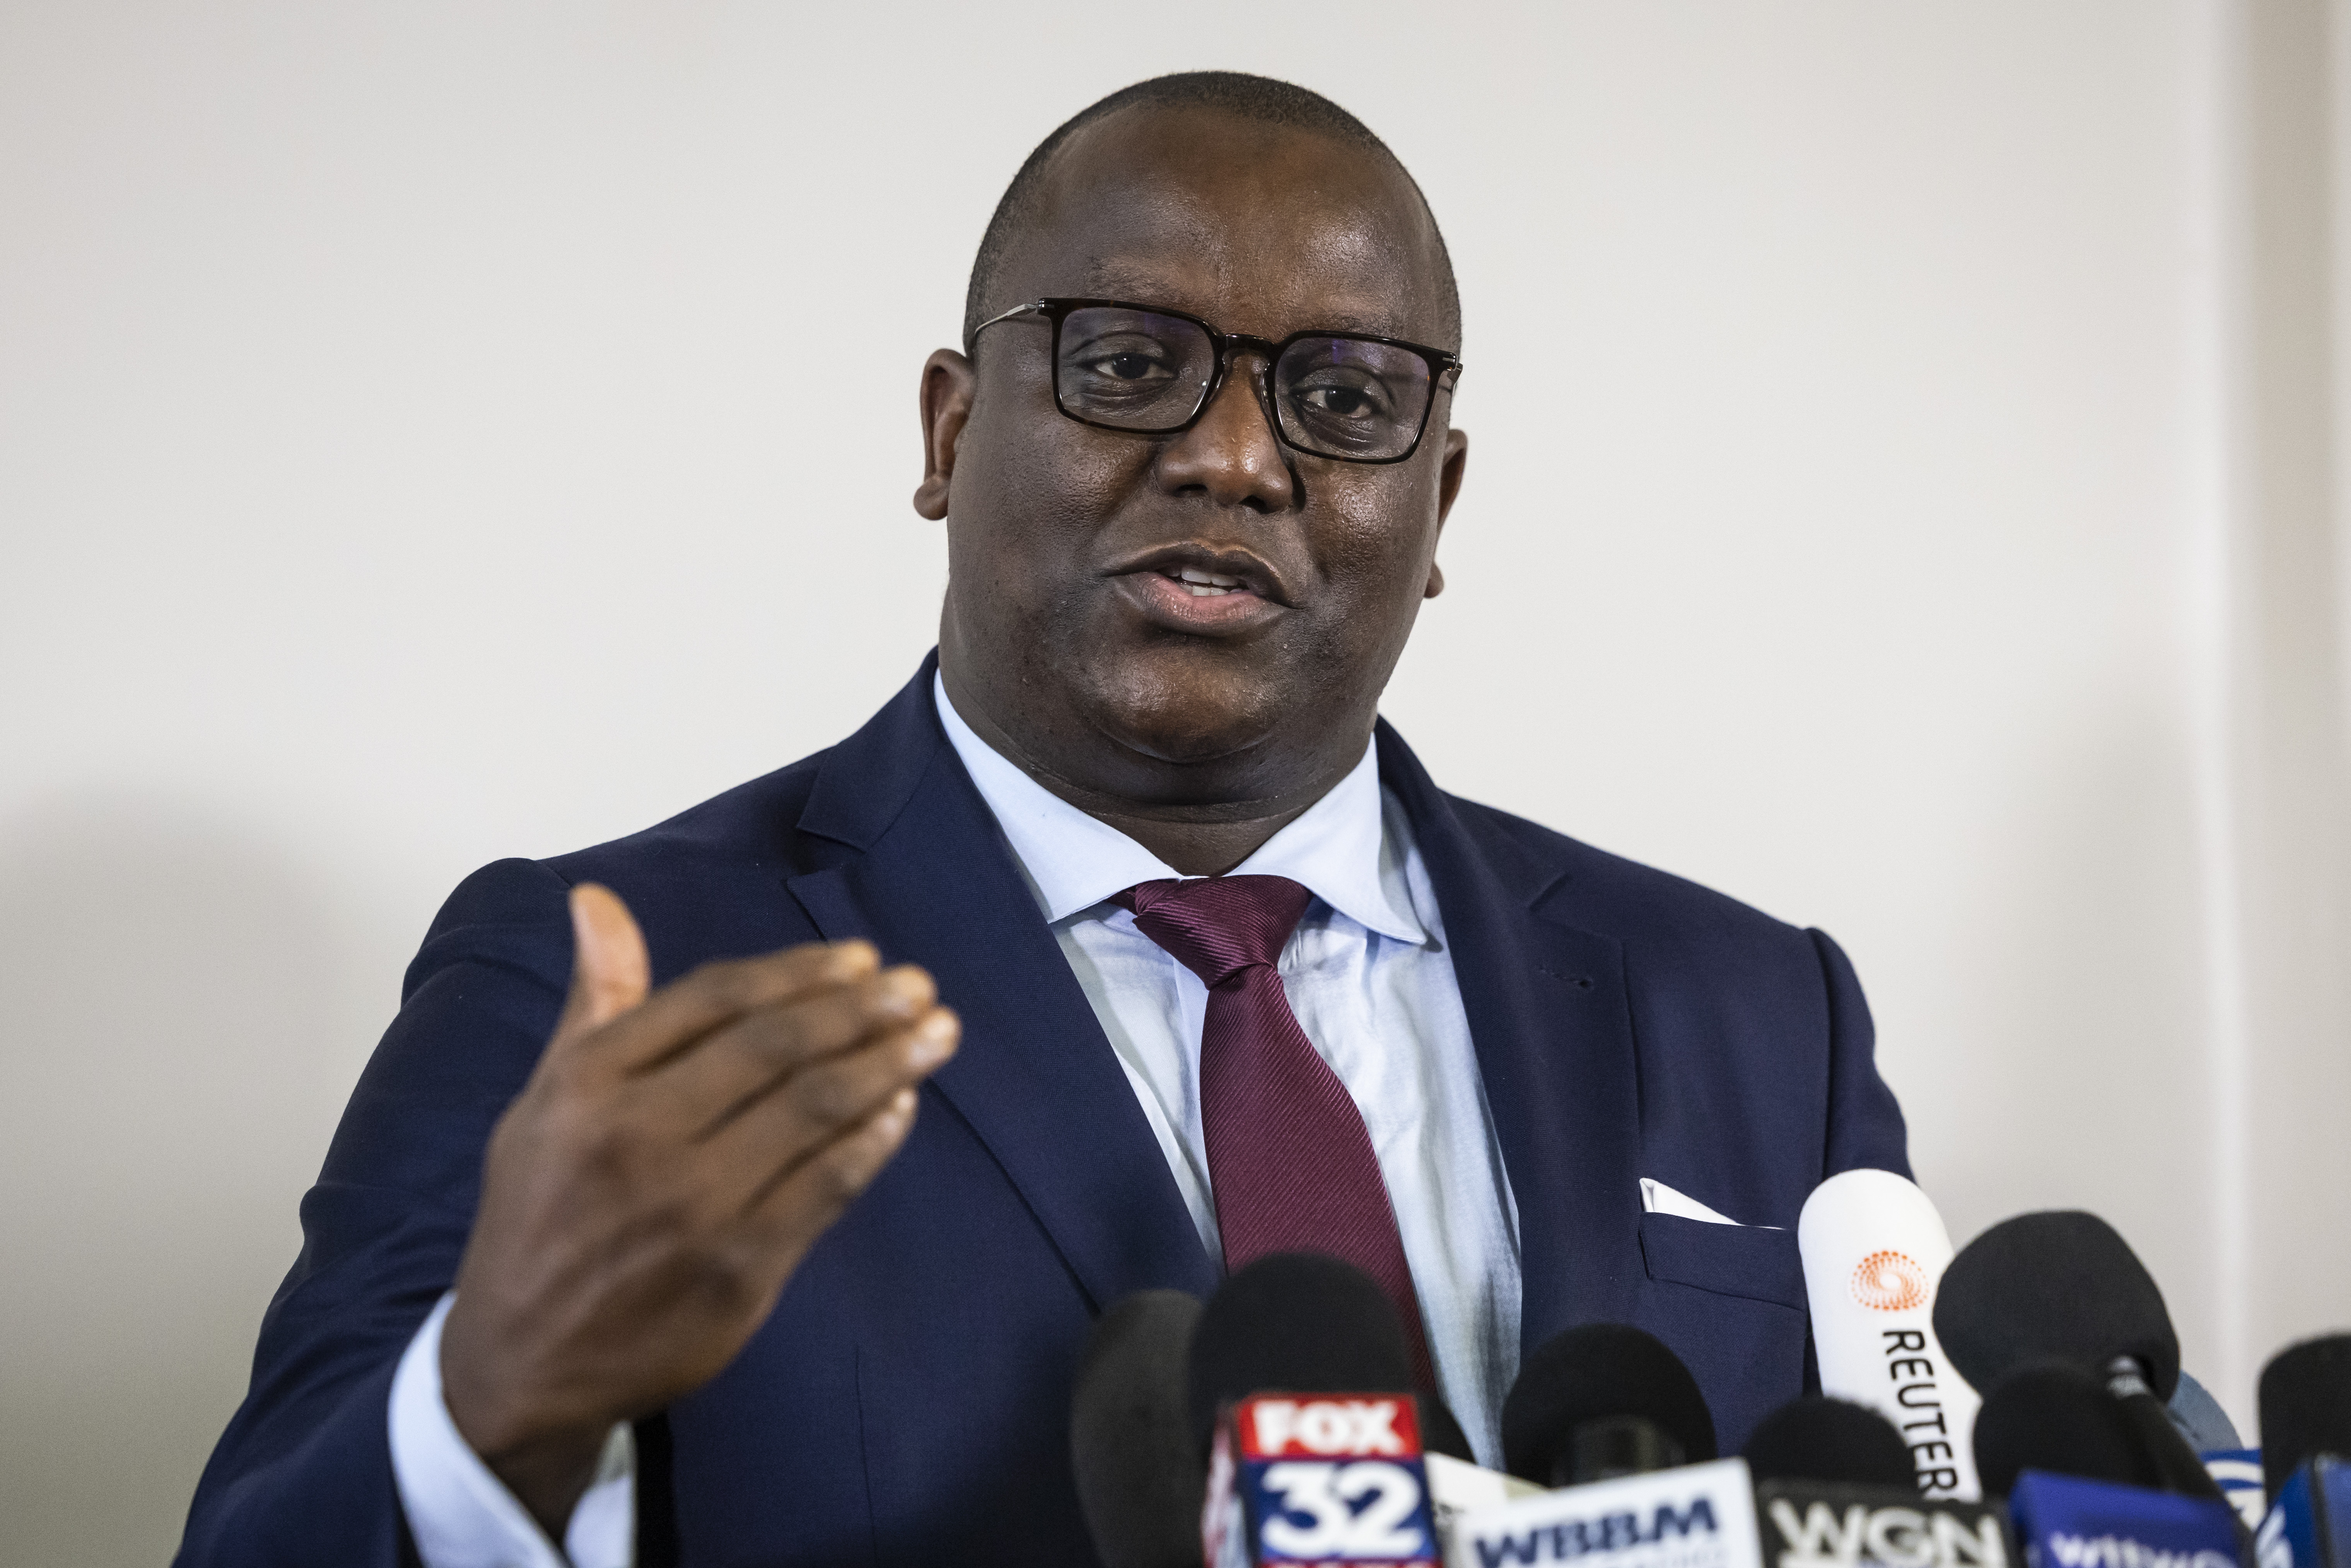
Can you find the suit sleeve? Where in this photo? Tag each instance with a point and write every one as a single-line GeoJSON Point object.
{"type": "Point", "coordinates": [1865, 1130]}
{"type": "Point", "coordinates": [303, 1474]}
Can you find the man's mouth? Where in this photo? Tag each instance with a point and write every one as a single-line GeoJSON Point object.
{"type": "Point", "coordinates": [1205, 584]}
{"type": "Point", "coordinates": [1200, 590]}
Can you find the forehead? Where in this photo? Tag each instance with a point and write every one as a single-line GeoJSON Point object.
{"type": "Point", "coordinates": [1262, 229]}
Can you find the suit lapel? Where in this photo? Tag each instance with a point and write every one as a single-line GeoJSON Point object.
{"type": "Point", "coordinates": [1035, 1079]}
{"type": "Point", "coordinates": [1549, 1016]}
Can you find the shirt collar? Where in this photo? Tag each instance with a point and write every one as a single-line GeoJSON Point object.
{"type": "Point", "coordinates": [1336, 846]}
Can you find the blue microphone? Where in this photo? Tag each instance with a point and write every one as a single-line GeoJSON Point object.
{"type": "Point", "coordinates": [2084, 1491]}
{"type": "Point", "coordinates": [2305, 1403]}
{"type": "Point", "coordinates": [2071, 1522]}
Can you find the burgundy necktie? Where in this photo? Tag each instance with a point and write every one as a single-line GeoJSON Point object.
{"type": "Point", "coordinates": [1288, 1155]}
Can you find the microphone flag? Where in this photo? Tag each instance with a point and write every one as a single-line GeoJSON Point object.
{"type": "Point", "coordinates": [2069, 1522]}
{"type": "Point", "coordinates": [2310, 1524]}
{"type": "Point", "coordinates": [1821, 1524]}
{"type": "Point", "coordinates": [1334, 1481]}
{"type": "Point", "coordinates": [1693, 1516]}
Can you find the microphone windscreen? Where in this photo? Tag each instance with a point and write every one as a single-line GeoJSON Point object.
{"type": "Point", "coordinates": [1141, 1479]}
{"type": "Point", "coordinates": [1822, 1440]}
{"type": "Point", "coordinates": [1441, 1433]}
{"type": "Point", "coordinates": [2057, 1416]}
{"type": "Point", "coordinates": [2305, 1407]}
{"type": "Point", "coordinates": [2056, 1285]}
{"type": "Point", "coordinates": [1294, 1322]}
{"type": "Point", "coordinates": [1591, 1373]}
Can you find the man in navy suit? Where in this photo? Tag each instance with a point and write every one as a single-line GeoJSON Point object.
{"type": "Point", "coordinates": [743, 1191]}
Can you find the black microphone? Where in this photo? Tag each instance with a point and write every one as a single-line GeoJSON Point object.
{"type": "Point", "coordinates": [2082, 1489]}
{"type": "Point", "coordinates": [1835, 1483]}
{"type": "Point", "coordinates": [1297, 1321]}
{"type": "Point", "coordinates": [2305, 1405]}
{"type": "Point", "coordinates": [1817, 1438]}
{"type": "Point", "coordinates": [1300, 1391]}
{"type": "Point", "coordinates": [1610, 1417]}
{"type": "Point", "coordinates": [2054, 1416]}
{"type": "Point", "coordinates": [2062, 1285]}
{"type": "Point", "coordinates": [1141, 1478]}
{"type": "Point", "coordinates": [1602, 1400]}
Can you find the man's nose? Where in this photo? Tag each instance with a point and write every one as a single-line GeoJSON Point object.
{"type": "Point", "coordinates": [1231, 453]}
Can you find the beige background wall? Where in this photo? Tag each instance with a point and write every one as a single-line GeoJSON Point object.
{"type": "Point", "coordinates": [1905, 495]}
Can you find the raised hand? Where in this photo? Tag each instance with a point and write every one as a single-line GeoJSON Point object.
{"type": "Point", "coordinates": [668, 1164]}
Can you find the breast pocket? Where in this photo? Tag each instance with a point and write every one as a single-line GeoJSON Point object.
{"type": "Point", "coordinates": [1729, 1301]}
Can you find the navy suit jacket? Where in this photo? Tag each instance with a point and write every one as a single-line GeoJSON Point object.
{"type": "Point", "coordinates": [908, 1401]}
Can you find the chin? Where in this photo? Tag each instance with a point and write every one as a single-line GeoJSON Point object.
{"type": "Point", "coordinates": [1190, 716]}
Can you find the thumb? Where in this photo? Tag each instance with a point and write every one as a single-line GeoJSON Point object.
{"type": "Point", "coordinates": [610, 971]}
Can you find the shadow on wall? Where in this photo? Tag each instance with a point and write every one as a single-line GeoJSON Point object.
{"type": "Point", "coordinates": [180, 1018]}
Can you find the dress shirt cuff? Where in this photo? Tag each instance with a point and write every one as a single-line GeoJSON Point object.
{"type": "Point", "coordinates": [462, 1516]}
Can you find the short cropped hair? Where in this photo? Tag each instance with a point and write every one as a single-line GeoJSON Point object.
{"type": "Point", "coordinates": [1260, 99]}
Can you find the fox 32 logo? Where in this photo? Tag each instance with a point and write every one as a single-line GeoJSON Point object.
{"type": "Point", "coordinates": [1334, 1479]}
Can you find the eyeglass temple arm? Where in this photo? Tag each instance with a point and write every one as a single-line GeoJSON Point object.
{"type": "Point", "coordinates": [1033, 308]}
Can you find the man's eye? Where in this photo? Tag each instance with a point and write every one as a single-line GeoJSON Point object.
{"type": "Point", "coordinates": [1340, 401]}
{"type": "Point", "coordinates": [1347, 403]}
{"type": "Point", "coordinates": [1129, 368]}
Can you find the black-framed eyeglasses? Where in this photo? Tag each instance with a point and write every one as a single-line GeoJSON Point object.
{"type": "Point", "coordinates": [1151, 371]}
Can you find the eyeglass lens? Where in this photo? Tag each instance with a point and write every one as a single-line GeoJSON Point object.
{"type": "Point", "coordinates": [1137, 370]}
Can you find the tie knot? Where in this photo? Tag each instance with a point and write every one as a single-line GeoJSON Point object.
{"type": "Point", "coordinates": [1217, 926]}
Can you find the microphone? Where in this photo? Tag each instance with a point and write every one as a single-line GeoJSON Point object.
{"type": "Point", "coordinates": [1610, 1414]}
{"type": "Point", "coordinates": [1875, 1252]}
{"type": "Point", "coordinates": [2080, 1484]}
{"type": "Point", "coordinates": [1140, 1476]}
{"type": "Point", "coordinates": [1820, 1439]}
{"type": "Point", "coordinates": [1599, 1401]}
{"type": "Point", "coordinates": [2067, 1521]}
{"type": "Point", "coordinates": [1299, 1385]}
{"type": "Point", "coordinates": [2305, 1409]}
{"type": "Point", "coordinates": [1299, 1322]}
{"type": "Point", "coordinates": [2062, 1285]}
{"type": "Point", "coordinates": [1835, 1484]}
{"type": "Point", "coordinates": [2052, 1416]}
{"type": "Point", "coordinates": [1333, 1480]}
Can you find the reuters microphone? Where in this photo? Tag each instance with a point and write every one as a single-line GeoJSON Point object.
{"type": "Point", "coordinates": [1331, 1480]}
{"type": "Point", "coordinates": [1874, 1251]}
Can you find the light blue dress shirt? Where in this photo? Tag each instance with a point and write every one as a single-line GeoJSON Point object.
{"type": "Point", "coordinates": [1371, 979]}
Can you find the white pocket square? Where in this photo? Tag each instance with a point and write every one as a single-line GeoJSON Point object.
{"type": "Point", "coordinates": [1657, 1198]}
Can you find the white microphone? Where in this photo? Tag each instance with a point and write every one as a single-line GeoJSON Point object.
{"type": "Point", "coordinates": [1874, 1250]}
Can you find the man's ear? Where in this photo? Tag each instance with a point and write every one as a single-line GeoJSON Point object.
{"type": "Point", "coordinates": [1448, 486]}
{"type": "Point", "coordinates": [946, 393]}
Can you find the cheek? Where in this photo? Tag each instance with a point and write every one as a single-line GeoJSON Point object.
{"type": "Point", "coordinates": [1375, 542]}
{"type": "Point", "coordinates": [1027, 484]}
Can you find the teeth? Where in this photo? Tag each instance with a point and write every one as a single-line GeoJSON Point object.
{"type": "Point", "coordinates": [1205, 584]}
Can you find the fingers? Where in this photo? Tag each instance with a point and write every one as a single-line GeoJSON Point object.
{"type": "Point", "coordinates": [610, 971]}
{"type": "Point", "coordinates": [774, 1135]}
{"type": "Point", "coordinates": [797, 1204]}
{"type": "Point", "coordinates": [743, 1060]}
{"type": "Point", "coordinates": [675, 1018]}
